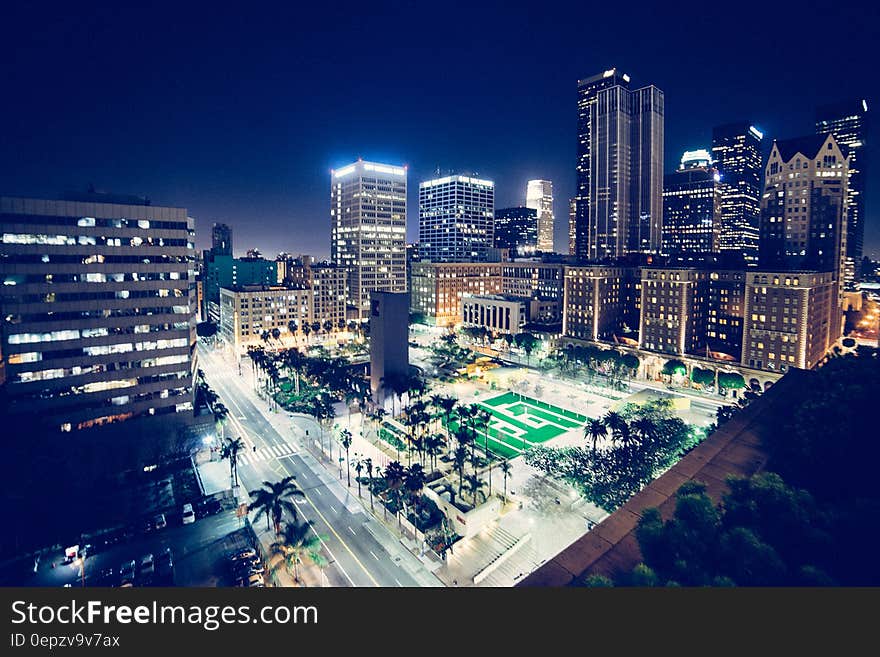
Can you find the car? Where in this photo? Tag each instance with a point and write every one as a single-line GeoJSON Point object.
{"type": "Point", "coordinates": [147, 567]}
{"type": "Point", "coordinates": [126, 573]}
{"type": "Point", "coordinates": [248, 568]}
{"type": "Point", "coordinates": [159, 521]}
{"type": "Point", "coordinates": [105, 577]}
{"type": "Point", "coordinates": [209, 508]}
{"type": "Point", "coordinates": [187, 516]}
{"type": "Point", "coordinates": [250, 581]}
{"type": "Point", "coordinates": [165, 564]}
{"type": "Point", "coordinates": [246, 553]}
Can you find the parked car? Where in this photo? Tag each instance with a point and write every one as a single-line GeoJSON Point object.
{"type": "Point", "coordinates": [126, 573]}
{"type": "Point", "coordinates": [251, 580]}
{"type": "Point", "coordinates": [148, 566]}
{"type": "Point", "coordinates": [246, 553]}
{"type": "Point", "coordinates": [208, 508]}
{"type": "Point", "coordinates": [165, 564]}
{"type": "Point", "coordinates": [159, 521]}
{"type": "Point", "coordinates": [188, 516]}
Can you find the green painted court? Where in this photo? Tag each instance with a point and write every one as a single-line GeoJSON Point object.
{"type": "Point", "coordinates": [519, 422]}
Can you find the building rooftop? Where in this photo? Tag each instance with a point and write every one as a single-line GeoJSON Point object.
{"type": "Point", "coordinates": [808, 146]}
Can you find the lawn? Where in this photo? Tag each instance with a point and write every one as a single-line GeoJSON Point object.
{"type": "Point", "coordinates": [519, 422]}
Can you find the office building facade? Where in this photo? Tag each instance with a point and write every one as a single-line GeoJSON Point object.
{"type": "Point", "coordinates": [437, 288]}
{"type": "Point", "coordinates": [792, 319]}
{"type": "Point", "coordinates": [599, 302]}
{"type": "Point", "coordinates": [803, 207]}
{"type": "Point", "coordinates": [736, 153]}
{"type": "Point", "coordinates": [99, 310]}
{"type": "Point", "coordinates": [368, 229]}
{"type": "Point", "coordinates": [516, 229]}
{"type": "Point", "coordinates": [619, 204]}
{"type": "Point", "coordinates": [692, 206]}
{"type": "Point", "coordinates": [539, 197]}
{"type": "Point", "coordinates": [674, 310]}
{"type": "Point", "coordinates": [221, 239]}
{"type": "Point", "coordinates": [228, 271]}
{"type": "Point", "coordinates": [263, 315]}
{"type": "Point", "coordinates": [848, 122]}
{"type": "Point", "coordinates": [456, 219]}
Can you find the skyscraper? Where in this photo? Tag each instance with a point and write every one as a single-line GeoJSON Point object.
{"type": "Point", "coordinates": [368, 229]}
{"type": "Point", "coordinates": [848, 122]}
{"type": "Point", "coordinates": [803, 206]}
{"type": "Point", "coordinates": [456, 219]}
{"type": "Point", "coordinates": [736, 151]}
{"type": "Point", "coordinates": [539, 196]}
{"type": "Point", "coordinates": [221, 239]}
{"type": "Point", "coordinates": [98, 297]}
{"type": "Point", "coordinates": [692, 206]}
{"type": "Point", "coordinates": [517, 229]}
{"type": "Point", "coordinates": [619, 204]}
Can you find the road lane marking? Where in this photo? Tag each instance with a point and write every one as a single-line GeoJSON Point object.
{"type": "Point", "coordinates": [374, 555]}
{"type": "Point", "coordinates": [398, 582]}
{"type": "Point", "coordinates": [334, 508]}
{"type": "Point", "coordinates": [351, 530]}
{"type": "Point", "coordinates": [245, 435]}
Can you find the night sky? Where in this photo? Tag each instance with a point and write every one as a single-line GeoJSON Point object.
{"type": "Point", "coordinates": [238, 114]}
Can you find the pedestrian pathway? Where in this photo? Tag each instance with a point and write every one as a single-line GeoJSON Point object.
{"type": "Point", "coordinates": [265, 454]}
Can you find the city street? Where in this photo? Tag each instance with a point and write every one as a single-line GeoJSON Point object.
{"type": "Point", "coordinates": [360, 550]}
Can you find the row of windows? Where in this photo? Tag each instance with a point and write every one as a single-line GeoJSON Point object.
{"type": "Point", "coordinates": [49, 220]}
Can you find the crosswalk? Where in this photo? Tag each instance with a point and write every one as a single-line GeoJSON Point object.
{"type": "Point", "coordinates": [250, 457]}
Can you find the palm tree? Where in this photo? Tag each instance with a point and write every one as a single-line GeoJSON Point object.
{"type": "Point", "coordinates": [414, 481]}
{"type": "Point", "coordinates": [230, 450]}
{"type": "Point", "coordinates": [358, 468]}
{"type": "Point", "coordinates": [306, 329]}
{"type": "Point", "coordinates": [595, 429]}
{"type": "Point", "coordinates": [368, 465]}
{"type": "Point", "coordinates": [459, 458]}
{"type": "Point", "coordinates": [434, 445]}
{"type": "Point", "coordinates": [295, 541]}
{"type": "Point", "coordinates": [614, 421]}
{"type": "Point", "coordinates": [475, 486]}
{"type": "Point", "coordinates": [395, 475]}
{"type": "Point", "coordinates": [646, 428]}
{"type": "Point", "coordinates": [345, 440]}
{"type": "Point", "coordinates": [328, 326]}
{"type": "Point", "coordinates": [505, 471]}
{"type": "Point", "coordinates": [273, 499]}
{"type": "Point", "coordinates": [220, 414]}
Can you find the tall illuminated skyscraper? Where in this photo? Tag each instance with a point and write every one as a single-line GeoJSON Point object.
{"type": "Point", "coordinates": [619, 202]}
{"type": "Point", "coordinates": [848, 122]}
{"type": "Point", "coordinates": [539, 196]}
{"type": "Point", "coordinates": [456, 219]}
{"type": "Point", "coordinates": [692, 206]}
{"type": "Point", "coordinates": [368, 229]}
{"type": "Point", "coordinates": [736, 151]}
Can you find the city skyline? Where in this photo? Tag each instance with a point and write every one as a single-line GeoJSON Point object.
{"type": "Point", "coordinates": [269, 169]}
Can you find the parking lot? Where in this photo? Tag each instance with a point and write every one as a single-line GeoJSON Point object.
{"type": "Point", "coordinates": [198, 552]}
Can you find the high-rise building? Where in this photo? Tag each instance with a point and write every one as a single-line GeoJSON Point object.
{"type": "Point", "coordinates": [368, 229]}
{"type": "Point", "coordinates": [389, 340]}
{"type": "Point", "coordinates": [263, 314]}
{"type": "Point", "coordinates": [572, 227]}
{"type": "Point", "coordinates": [99, 309]}
{"type": "Point", "coordinates": [724, 324]}
{"type": "Point", "coordinates": [539, 197]}
{"type": "Point", "coordinates": [736, 151]}
{"type": "Point", "coordinates": [848, 122]}
{"type": "Point", "coordinates": [692, 206]}
{"type": "Point", "coordinates": [221, 239]}
{"type": "Point", "coordinates": [803, 208]}
{"type": "Point", "coordinates": [456, 219]}
{"type": "Point", "coordinates": [619, 202]}
{"type": "Point", "coordinates": [517, 230]}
